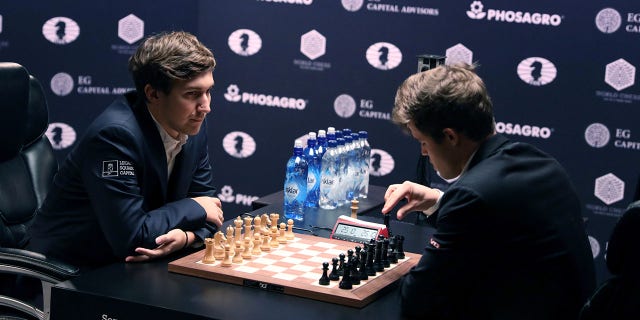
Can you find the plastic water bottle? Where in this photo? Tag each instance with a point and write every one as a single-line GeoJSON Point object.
{"type": "Point", "coordinates": [295, 184]}
{"type": "Point", "coordinates": [349, 176]}
{"type": "Point", "coordinates": [342, 169]}
{"type": "Point", "coordinates": [355, 164]}
{"type": "Point", "coordinates": [329, 177]}
{"type": "Point", "coordinates": [365, 157]}
{"type": "Point", "coordinates": [322, 144]}
{"type": "Point", "coordinates": [313, 175]}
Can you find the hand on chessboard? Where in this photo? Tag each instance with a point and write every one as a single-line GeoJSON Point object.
{"type": "Point", "coordinates": [172, 241]}
{"type": "Point", "coordinates": [419, 198]}
{"type": "Point", "coordinates": [213, 207]}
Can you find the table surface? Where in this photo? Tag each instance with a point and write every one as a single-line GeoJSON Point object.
{"type": "Point", "coordinates": [128, 290]}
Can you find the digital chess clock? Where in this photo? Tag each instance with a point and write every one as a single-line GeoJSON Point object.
{"type": "Point", "coordinates": [354, 230]}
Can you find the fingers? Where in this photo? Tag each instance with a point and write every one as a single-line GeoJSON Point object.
{"type": "Point", "coordinates": [393, 195]}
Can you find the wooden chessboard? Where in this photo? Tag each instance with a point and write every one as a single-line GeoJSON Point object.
{"type": "Point", "coordinates": [295, 268]}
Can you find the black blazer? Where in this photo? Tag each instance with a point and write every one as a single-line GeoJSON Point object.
{"type": "Point", "coordinates": [509, 243]}
{"type": "Point", "coordinates": [113, 193]}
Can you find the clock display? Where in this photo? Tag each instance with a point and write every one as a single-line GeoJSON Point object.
{"type": "Point", "coordinates": [357, 233]}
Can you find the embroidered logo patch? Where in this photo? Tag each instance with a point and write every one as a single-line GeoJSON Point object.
{"type": "Point", "coordinates": [434, 243]}
{"type": "Point", "coordinates": [110, 168]}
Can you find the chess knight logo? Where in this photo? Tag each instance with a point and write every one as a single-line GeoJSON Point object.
{"type": "Point", "coordinates": [381, 163]}
{"type": "Point", "coordinates": [244, 42]}
{"type": "Point", "coordinates": [61, 30]}
{"type": "Point", "coordinates": [384, 56]}
{"type": "Point", "coordinates": [537, 71]}
{"type": "Point", "coordinates": [597, 135]}
{"type": "Point", "coordinates": [239, 144]}
{"type": "Point", "coordinates": [61, 135]}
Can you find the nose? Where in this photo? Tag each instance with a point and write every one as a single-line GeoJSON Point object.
{"type": "Point", "coordinates": [205, 107]}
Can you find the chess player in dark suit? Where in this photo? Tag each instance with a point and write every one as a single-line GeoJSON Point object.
{"type": "Point", "coordinates": [509, 241]}
{"type": "Point", "coordinates": [138, 185]}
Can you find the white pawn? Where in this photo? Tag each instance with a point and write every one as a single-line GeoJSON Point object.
{"type": "Point", "coordinates": [226, 262]}
{"type": "Point", "coordinates": [290, 235]}
{"type": "Point", "coordinates": [256, 244]}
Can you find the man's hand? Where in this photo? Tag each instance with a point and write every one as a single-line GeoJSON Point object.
{"type": "Point", "coordinates": [172, 241]}
{"type": "Point", "coordinates": [213, 207]}
{"type": "Point", "coordinates": [419, 198]}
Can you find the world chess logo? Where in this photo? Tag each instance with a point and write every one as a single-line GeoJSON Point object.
{"type": "Point", "coordinates": [60, 135]}
{"type": "Point", "coordinates": [352, 5]}
{"type": "Point", "coordinates": [62, 84]}
{"type": "Point", "coordinates": [344, 106]}
{"type": "Point", "coordinates": [476, 11]}
{"type": "Point", "coordinates": [458, 54]}
{"type": "Point", "coordinates": [597, 135]}
{"type": "Point", "coordinates": [61, 30]}
{"type": "Point", "coordinates": [313, 44]}
{"type": "Point", "coordinates": [110, 168]}
{"type": "Point", "coordinates": [384, 56]}
{"type": "Point", "coordinates": [609, 189]}
{"type": "Point", "coordinates": [239, 144]}
{"type": "Point", "coordinates": [608, 20]}
{"type": "Point", "coordinates": [226, 194]}
{"type": "Point", "coordinates": [244, 42]}
{"type": "Point", "coordinates": [595, 246]}
{"type": "Point", "coordinates": [620, 74]}
{"type": "Point", "coordinates": [537, 71]}
{"type": "Point", "coordinates": [130, 29]}
{"type": "Point", "coordinates": [381, 163]}
{"type": "Point", "coordinates": [233, 93]}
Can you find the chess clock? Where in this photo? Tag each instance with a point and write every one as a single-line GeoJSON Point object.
{"type": "Point", "coordinates": [354, 230]}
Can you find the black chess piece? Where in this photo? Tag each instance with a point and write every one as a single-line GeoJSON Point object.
{"type": "Point", "coordinates": [384, 256]}
{"type": "Point", "coordinates": [393, 258]}
{"type": "Point", "coordinates": [341, 265]}
{"type": "Point", "coordinates": [346, 283]}
{"type": "Point", "coordinates": [378, 265]}
{"type": "Point", "coordinates": [324, 279]}
{"type": "Point", "coordinates": [371, 249]}
{"type": "Point", "coordinates": [355, 275]}
{"type": "Point", "coordinates": [350, 256]}
{"type": "Point", "coordinates": [400, 248]}
{"type": "Point", "coordinates": [387, 224]}
{"type": "Point", "coordinates": [334, 275]}
{"type": "Point", "coordinates": [363, 265]}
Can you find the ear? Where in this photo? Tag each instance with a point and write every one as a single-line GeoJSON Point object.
{"type": "Point", "coordinates": [451, 136]}
{"type": "Point", "coordinates": [151, 93]}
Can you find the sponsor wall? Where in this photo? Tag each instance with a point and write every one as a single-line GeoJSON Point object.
{"type": "Point", "coordinates": [562, 77]}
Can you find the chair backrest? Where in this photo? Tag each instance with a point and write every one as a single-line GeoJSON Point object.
{"type": "Point", "coordinates": [27, 161]}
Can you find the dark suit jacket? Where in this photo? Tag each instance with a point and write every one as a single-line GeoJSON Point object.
{"type": "Point", "coordinates": [112, 193]}
{"type": "Point", "coordinates": [509, 243]}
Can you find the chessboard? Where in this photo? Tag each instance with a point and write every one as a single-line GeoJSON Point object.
{"type": "Point", "coordinates": [295, 268]}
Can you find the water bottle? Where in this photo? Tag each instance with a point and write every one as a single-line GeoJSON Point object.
{"type": "Point", "coordinates": [313, 175]}
{"type": "Point", "coordinates": [329, 177]}
{"type": "Point", "coordinates": [342, 169]}
{"type": "Point", "coordinates": [331, 133]}
{"type": "Point", "coordinates": [355, 171]}
{"type": "Point", "coordinates": [349, 175]}
{"type": "Point", "coordinates": [365, 157]}
{"type": "Point", "coordinates": [322, 144]}
{"type": "Point", "coordinates": [295, 184]}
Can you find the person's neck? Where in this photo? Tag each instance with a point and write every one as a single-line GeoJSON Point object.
{"type": "Point", "coordinates": [155, 113]}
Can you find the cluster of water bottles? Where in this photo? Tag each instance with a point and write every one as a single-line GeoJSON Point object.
{"type": "Point", "coordinates": [329, 172]}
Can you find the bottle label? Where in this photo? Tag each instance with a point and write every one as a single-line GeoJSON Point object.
{"type": "Point", "coordinates": [291, 191]}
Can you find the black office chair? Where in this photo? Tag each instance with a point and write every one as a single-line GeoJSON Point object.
{"type": "Point", "coordinates": [27, 167]}
{"type": "Point", "coordinates": [619, 296]}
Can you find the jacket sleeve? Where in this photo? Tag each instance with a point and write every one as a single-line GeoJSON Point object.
{"type": "Point", "coordinates": [448, 264]}
{"type": "Point", "coordinates": [113, 161]}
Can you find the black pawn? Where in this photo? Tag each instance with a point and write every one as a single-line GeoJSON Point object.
{"type": "Point", "coordinates": [384, 256]}
{"type": "Point", "coordinates": [400, 248]}
{"type": "Point", "coordinates": [363, 265]}
{"type": "Point", "coordinates": [355, 275]}
{"type": "Point", "coordinates": [345, 283]}
{"type": "Point", "coordinates": [324, 279]}
{"type": "Point", "coordinates": [334, 275]}
{"type": "Point", "coordinates": [341, 265]}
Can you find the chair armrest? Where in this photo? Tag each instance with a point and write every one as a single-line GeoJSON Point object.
{"type": "Point", "coordinates": [35, 264]}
